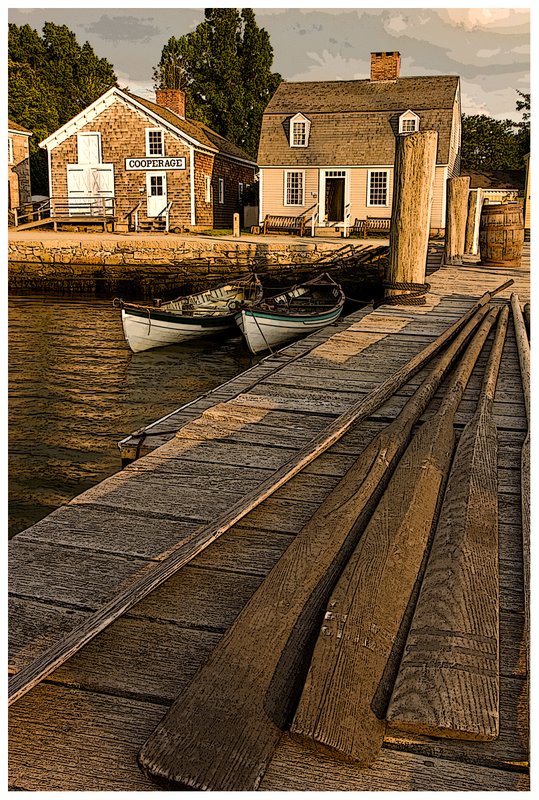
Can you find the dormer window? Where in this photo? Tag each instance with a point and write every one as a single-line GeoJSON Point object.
{"type": "Point", "coordinates": [408, 122]}
{"type": "Point", "coordinates": [299, 131]}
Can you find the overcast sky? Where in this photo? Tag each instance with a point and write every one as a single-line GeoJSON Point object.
{"type": "Point", "coordinates": [489, 47]}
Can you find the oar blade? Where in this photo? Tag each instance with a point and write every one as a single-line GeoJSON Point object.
{"type": "Point", "coordinates": [348, 685]}
{"type": "Point", "coordinates": [448, 681]}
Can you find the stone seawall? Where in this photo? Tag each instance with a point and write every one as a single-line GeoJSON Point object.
{"type": "Point", "coordinates": [141, 267]}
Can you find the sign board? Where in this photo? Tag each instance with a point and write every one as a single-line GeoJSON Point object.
{"type": "Point", "coordinates": [154, 162]}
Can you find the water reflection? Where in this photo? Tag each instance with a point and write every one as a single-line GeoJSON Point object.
{"type": "Point", "coordinates": [75, 389]}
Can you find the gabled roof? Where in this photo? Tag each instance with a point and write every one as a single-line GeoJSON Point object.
{"type": "Point", "coordinates": [496, 179]}
{"type": "Point", "coordinates": [196, 130]}
{"type": "Point", "coordinates": [355, 122]}
{"type": "Point", "coordinates": [321, 97]}
{"type": "Point", "coordinates": [193, 132]}
{"type": "Point", "coordinates": [14, 127]}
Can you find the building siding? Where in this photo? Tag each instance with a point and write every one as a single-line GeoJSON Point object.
{"type": "Point", "coordinates": [19, 190]}
{"type": "Point", "coordinates": [273, 191]}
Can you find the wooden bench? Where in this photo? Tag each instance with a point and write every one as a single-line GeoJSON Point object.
{"type": "Point", "coordinates": [371, 225]}
{"type": "Point", "coordinates": [282, 223]}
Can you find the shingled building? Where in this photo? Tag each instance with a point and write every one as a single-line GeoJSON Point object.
{"type": "Point", "coordinates": [327, 148]}
{"type": "Point", "coordinates": [134, 159]}
{"type": "Point", "coordinates": [18, 160]}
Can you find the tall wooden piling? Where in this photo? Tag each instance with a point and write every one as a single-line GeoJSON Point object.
{"type": "Point", "coordinates": [455, 219]}
{"type": "Point", "coordinates": [415, 161]}
{"type": "Point", "coordinates": [475, 203]}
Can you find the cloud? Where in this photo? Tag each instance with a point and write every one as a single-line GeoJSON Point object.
{"type": "Point", "coordinates": [334, 64]}
{"type": "Point", "coordinates": [123, 29]}
{"type": "Point", "coordinates": [486, 18]}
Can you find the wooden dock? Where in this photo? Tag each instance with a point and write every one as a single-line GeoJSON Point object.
{"type": "Point", "coordinates": [82, 728]}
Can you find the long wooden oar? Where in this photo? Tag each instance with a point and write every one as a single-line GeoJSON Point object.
{"type": "Point", "coordinates": [221, 732]}
{"type": "Point", "coordinates": [448, 682]}
{"type": "Point", "coordinates": [151, 577]}
{"type": "Point", "coordinates": [351, 673]}
{"type": "Point", "coordinates": [523, 347]}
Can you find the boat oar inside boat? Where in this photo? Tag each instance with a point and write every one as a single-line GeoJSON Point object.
{"type": "Point", "coordinates": [346, 692]}
{"type": "Point", "coordinates": [221, 732]}
{"type": "Point", "coordinates": [448, 682]}
{"type": "Point", "coordinates": [170, 561]}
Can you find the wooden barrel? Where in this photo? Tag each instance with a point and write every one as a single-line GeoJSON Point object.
{"type": "Point", "coordinates": [501, 234]}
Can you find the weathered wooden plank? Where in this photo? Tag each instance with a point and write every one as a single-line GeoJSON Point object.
{"type": "Point", "coordinates": [511, 747]}
{"type": "Point", "coordinates": [142, 658]}
{"type": "Point", "coordinates": [59, 573]}
{"type": "Point", "coordinates": [297, 768]}
{"type": "Point", "coordinates": [307, 401]}
{"type": "Point", "coordinates": [68, 740]}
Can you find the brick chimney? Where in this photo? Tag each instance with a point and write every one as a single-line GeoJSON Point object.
{"type": "Point", "coordinates": [385, 66]}
{"type": "Point", "coordinates": [173, 99]}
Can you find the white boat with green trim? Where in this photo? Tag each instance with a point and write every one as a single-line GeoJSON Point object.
{"type": "Point", "coordinates": [204, 314]}
{"type": "Point", "coordinates": [298, 311]}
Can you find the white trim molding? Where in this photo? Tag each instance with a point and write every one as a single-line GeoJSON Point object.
{"type": "Point", "coordinates": [303, 124]}
{"type": "Point", "coordinates": [286, 187]}
{"type": "Point", "coordinates": [408, 122]}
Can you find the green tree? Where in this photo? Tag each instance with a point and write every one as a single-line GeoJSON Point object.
{"type": "Point", "coordinates": [259, 81]}
{"type": "Point", "coordinates": [50, 80]}
{"type": "Point", "coordinates": [493, 144]}
{"type": "Point", "coordinates": [523, 134]}
{"type": "Point", "coordinates": [224, 66]}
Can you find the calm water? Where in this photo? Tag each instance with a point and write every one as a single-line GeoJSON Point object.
{"type": "Point", "coordinates": [75, 390]}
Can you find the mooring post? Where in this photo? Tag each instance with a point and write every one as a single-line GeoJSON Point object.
{"type": "Point", "coordinates": [455, 219]}
{"type": "Point", "coordinates": [413, 187]}
{"type": "Point", "coordinates": [236, 225]}
{"type": "Point", "coordinates": [475, 202]}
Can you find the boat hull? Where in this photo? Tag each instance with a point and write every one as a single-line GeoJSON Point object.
{"type": "Point", "coordinates": [267, 331]}
{"type": "Point", "coordinates": [146, 330]}
{"type": "Point", "coordinates": [188, 317]}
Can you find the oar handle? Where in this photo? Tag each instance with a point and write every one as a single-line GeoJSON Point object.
{"type": "Point", "coordinates": [523, 347]}
{"type": "Point", "coordinates": [460, 379]}
{"type": "Point", "coordinates": [499, 289]}
{"type": "Point", "coordinates": [490, 379]}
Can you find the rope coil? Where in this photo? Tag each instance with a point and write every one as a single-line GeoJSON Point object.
{"type": "Point", "coordinates": [415, 297]}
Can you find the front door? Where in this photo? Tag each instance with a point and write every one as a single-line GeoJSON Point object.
{"type": "Point", "coordinates": [335, 199]}
{"type": "Point", "coordinates": [156, 190]}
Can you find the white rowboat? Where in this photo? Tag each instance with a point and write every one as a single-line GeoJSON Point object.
{"type": "Point", "coordinates": [304, 308]}
{"type": "Point", "coordinates": [204, 314]}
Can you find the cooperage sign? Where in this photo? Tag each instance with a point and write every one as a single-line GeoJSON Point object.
{"type": "Point", "coordinates": [154, 163]}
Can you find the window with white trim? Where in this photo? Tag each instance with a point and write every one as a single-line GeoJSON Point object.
{"type": "Point", "coordinates": [378, 187]}
{"type": "Point", "coordinates": [155, 145]}
{"type": "Point", "coordinates": [10, 150]}
{"type": "Point", "coordinates": [408, 122]}
{"type": "Point", "coordinates": [240, 193]}
{"type": "Point", "coordinates": [221, 190]}
{"type": "Point", "coordinates": [299, 131]}
{"type": "Point", "coordinates": [207, 189]}
{"type": "Point", "coordinates": [294, 185]}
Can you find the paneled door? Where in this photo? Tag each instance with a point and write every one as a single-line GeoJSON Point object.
{"type": "Point", "coordinates": [156, 190]}
{"type": "Point", "coordinates": [90, 188]}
